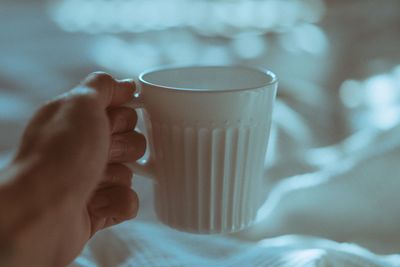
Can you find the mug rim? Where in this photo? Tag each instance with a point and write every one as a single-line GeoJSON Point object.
{"type": "Point", "coordinates": [272, 78]}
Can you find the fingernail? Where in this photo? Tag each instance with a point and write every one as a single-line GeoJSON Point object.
{"type": "Point", "coordinates": [121, 123]}
{"type": "Point", "coordinates": [126, 80]}
{"type": "Point", "coordinates": [131, 82]}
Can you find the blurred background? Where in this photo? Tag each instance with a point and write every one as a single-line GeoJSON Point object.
{"type": "Point", "coordinates": [338, 61]}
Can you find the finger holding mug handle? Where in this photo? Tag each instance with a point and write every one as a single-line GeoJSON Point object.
{"type": "Point", "coordinates": [144, 166]}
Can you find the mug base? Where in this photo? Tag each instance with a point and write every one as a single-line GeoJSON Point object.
{"type": "Point", "coordinates": [207, 231]}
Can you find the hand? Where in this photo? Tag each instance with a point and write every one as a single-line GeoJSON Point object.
{"type": "Point", "coordinates": [67, 181]}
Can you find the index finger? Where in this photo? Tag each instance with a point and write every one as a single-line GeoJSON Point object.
{"type": "Point", "coordinates": [111, 91]}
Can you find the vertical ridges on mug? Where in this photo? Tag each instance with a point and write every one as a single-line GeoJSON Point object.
{"type": "Point", "coordinates": [166, 205]}
{"type": "Point", "coordinates": [245, 177]}
{"type": "Point", "coordinates": [158, 193]}
{"type": "Point", "coordinates": [190, 159]}
{"type": "Point", "coordinates": [207, 180]}
{"type": "Point", "coordinates": [168, 174]}
{"type": "Point", "coordinates": [202, 172]}
{"type": "Point", "coordinates": [178, 175]}
{"type": "Point", "coordinates": [265, 131]}
{"type": "Point", "coordinates": [252, 177]}
{"type": "Point", "coordinates": [255, 178]}
{"type": "Point", "coordinates": [234, 179]}
{"type": "Point", "coordinates": [239, 170]}
{"type": "Point", "coordinates": [215, 154]}
{"type": "Point", "coordinates": [225, 178]}
{"type": "Point", "coordinates": [210, 175]}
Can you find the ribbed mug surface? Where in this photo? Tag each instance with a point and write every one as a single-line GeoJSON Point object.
{"type": "Point", "coordinates": [208, 145]}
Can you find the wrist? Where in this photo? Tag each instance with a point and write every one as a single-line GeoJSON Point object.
{"type": "Point", "coordinates": [11, 215]}
{"type": "Point", "coordinates": [10, 201]}
{"type": "Point", "coordinates": [21, 198]}
{"type": "Point", "coordinates": [20, 214]}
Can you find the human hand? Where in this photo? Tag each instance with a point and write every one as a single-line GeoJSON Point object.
{"type": "Point", "coordinates": [67, 180]}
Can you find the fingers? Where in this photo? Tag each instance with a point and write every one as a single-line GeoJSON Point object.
{"type": "Point", "coordinates": [115, 201]}
{"type": "Point", "coordinates": [122, 119]}
{"type": "Point", "coordinates": [117, 174]}
{"type": "Point", "coordinates": [110, 91]}
{"type": "Point", "coordinates": [127, 147]}
{"type": "Point", "coordinates": [112, 205]}
{"type": "Point", "coordinates": [97, 89]}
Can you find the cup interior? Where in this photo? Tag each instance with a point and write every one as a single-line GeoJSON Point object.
{"type": "Point", "coordinates": [208, 78]}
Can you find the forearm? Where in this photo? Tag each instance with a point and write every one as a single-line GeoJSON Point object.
{"type": "Point", "coordinates": [19, 215]}
{"type": "Point", "coordinates": [16, 203]}
{"type": "Point", "coordinates": [9, 217]}
{"type": "Point", "coordinates": [6, 238]}
{"type": "Point", "coordinates": [10, 206]}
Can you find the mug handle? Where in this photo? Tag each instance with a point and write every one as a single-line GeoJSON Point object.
{"type": "Point", "coordinates": [142, 167]}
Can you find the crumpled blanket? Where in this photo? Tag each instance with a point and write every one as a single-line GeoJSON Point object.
{"type": "Point", "coordinates": [138, 243]}
{"type": "Point", "coordinates": [349, 200]}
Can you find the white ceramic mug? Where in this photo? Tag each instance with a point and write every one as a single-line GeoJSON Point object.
{"type": "Point", "coordinates": [208, 130]}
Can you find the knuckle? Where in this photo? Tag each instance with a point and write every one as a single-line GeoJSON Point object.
{"type": "Point", "coordinates": [100, 77]}
{"type": "Point", "coordinates": [46, 112]}
{"type": "Point", "coordinates": [98, 80]}
{"type": "Point", "coordinates": [120, 171]}
{"type": "Point", "coordinates": [84, 107]}
{"type": "Point", "coordinates": [51, 105]}
{"type": "Point", "coordinates": [118, 120]}
{"type": "Point", "coordinates": [85, 100]}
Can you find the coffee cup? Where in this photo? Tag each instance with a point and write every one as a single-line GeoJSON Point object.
{"type": "Point", "coordinates": [207, 130]}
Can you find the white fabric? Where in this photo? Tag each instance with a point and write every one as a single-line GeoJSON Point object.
{"type": "Point", "coordinates": [348, 200]}
{"type": "Point", "coordinates": [146, 244]}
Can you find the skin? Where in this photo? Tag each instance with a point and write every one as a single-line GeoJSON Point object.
{"type": "Point", "coordinates": [67, 180]}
